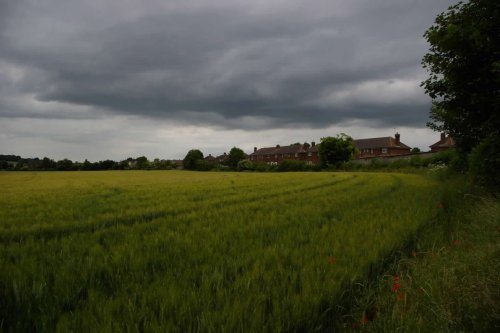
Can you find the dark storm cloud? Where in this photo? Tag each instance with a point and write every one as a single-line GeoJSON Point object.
{"type": "Point", "coordinates": [313, 63]}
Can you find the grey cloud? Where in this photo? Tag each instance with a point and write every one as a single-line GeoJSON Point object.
{"type": "Point", "coordinates": [224, 66]}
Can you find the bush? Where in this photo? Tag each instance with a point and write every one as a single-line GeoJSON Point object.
{"type": "Point", "coordinates": [245, 165]}
{"type": "Point", "coordinates": [262, 167]}
{"type": "Point", "coordinates": [202, 165]}
{"type": "Point", "coordinates": [416, 161]}
{"type": "Point", "coordinates": [399, 164]}
{"type": "Point", "coordinates": [291, 165]}
{"type": "Point", "coordinates": [484, 161]}
{"type": "Point", "coordinates": [351, 165]}
{"type": "Point", "coordinates": [444, 157]}
{"type": "Point", "coordinates": [377, 164]}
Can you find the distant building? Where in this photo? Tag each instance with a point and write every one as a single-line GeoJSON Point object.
{"type": "Point", "coordinates": [221, 158]}
{"type": "Point", "coordinates": [381, 147]}
{"type": "Point", "coordinates": [210, 158]}
{"type": "Point", "coordinates": [276, 155]}
{"type": "Point", "coordinates": [445, 143]}
{"type": "Point", "coordinates": [368, 148]}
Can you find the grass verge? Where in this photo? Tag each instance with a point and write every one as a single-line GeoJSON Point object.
{"type": "Point", "coordinates": [448, 282]}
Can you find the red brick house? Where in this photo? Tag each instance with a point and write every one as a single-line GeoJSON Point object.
{"type": "Point", "coordinates": [368, 148]}
{"type": "Point", "coordinates": [381, 147]}
{"type": "Point", "coordinates": [210, 158]}
{"type": "Point", "coordinates": [312, 154]}
{"type": "Point", "coordinates": [275, 155]}
{"type": "Point", "coordinates": [445, 143]}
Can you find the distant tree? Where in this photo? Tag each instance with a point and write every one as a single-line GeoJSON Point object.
{"type": "Point", "coordinates": [464, 66]}
{"type": "Point", "coordinates": [20, 165]}
{"type": "Point", "coordinates": [48, 164]}
{"type": "Point", "coordinates": [33, 163]}
{"type": "Point", "coordinates": [415, 150]}
{"type": "Point", "coordinates": [106, 165]}
{"type": "Point", "coordinates": [234, 157]}
{"type": "Point", "coordinates": [333, 151]}
{"type": "Point", "coordinates": [64, 165]}
{"type": "Point", "coordinates": [191, 158]}
{"type": "Point", "coordinates": [86, 166]}
{"type": "Point", "coordinates": [142, 162]}
{"type": "Point", "coordinates": [10, 158]}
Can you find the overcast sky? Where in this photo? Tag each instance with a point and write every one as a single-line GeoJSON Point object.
{"type": "Point", "coordinates": [113, 79]}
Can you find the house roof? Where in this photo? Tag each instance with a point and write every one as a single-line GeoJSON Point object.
{"type": "Point", "coordinates": [313, 149]}
{"type": "Point", "coordinates": [210, 158]}
{"type": "Point", "coordinates": [447, 142]}
{"type": "Point", "coordinates": [383, 142]}
{"type": "Point", "coordinates": [292, 149]}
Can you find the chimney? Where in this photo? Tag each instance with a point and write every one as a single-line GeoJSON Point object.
{"type": "Point", "coordinates": [443, 136]}
{"type": "Point", "coordinates": [313, 144]}
{"type": "Point", "coordinates": [254, 149]}
{"type": "Point", "coordinates": [397, 138]}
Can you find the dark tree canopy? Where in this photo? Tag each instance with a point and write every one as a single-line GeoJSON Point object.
{"type": "Point", "coordinates": [335, 150]}
{"type": "Point", "coordinates": [235, 155]}
{"type": "Point", "coordinates": [464, 66]}
{"type": "Point", "coordinates": [190, 161]}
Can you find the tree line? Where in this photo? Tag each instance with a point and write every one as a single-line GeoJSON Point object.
{"type": "Point", "coordinates": [17, 163]}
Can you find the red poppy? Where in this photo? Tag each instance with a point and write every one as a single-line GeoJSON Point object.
{"type": "Point", "coordinates": [332, 260]}
{"type": "Point", "coordinates": [365, 321]}
{"type": "Point", "coordinates": [456, 242]}
{"type": "Point", "coordinates": [400, 296]}
{"type": "Point", "coordinates": [395, 278]}
{"type": "Point", "coordinates": [395, 287]}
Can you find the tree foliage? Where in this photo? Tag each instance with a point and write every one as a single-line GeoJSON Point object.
{"type": "Point", "coordinates": [245, 165]}
{"type": "Point", "coordinates": [234, 157]}
{"type": "Point", "coordinates": [190, 161]}
{"type": "Point", "coordinates": [333, 151]}
{"type": "Point", "coordinates": [464, 66]}
{"type": "Point", "coordinates": [484, 162]}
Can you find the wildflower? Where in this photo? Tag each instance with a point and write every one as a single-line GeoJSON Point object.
{"type": "Point", "coordinates": [395, 278]}
{"type": "Point", "coordinates": [400, 296]}
{"type": "Point", "coordinates": [414, 254]}
{"type": "Point", "coordinates": [365, 321]}
{"type": "Point", "coordinates": [456, 242]}
{"type": "Point", "coordinates": [440, 205]}
{"type": "Point", "coordinates": [395, 287]}
{"type": "Point", "coordinates": [332, 260]}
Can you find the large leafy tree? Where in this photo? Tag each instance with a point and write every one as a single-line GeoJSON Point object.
{"type": "Point", "coordinates": [191, 159]}
{"type": "Point", "coordinates": [235, 156]}
{"type": "Point", "coordinates": [335, 150]}
{"type": "Point", "coordinates": [464, 66]}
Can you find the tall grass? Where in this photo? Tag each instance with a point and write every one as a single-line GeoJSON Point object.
{"type": "Point", "coordinates": [179, 251]}
{"type": "Point", "coordinates": [448, 281]}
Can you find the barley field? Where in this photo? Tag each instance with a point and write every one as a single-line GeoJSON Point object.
{"type": "Point", "coordinates": [197, 252]}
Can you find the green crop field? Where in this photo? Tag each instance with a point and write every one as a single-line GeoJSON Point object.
{"type": "Point", "coordinates": [186, 251]}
